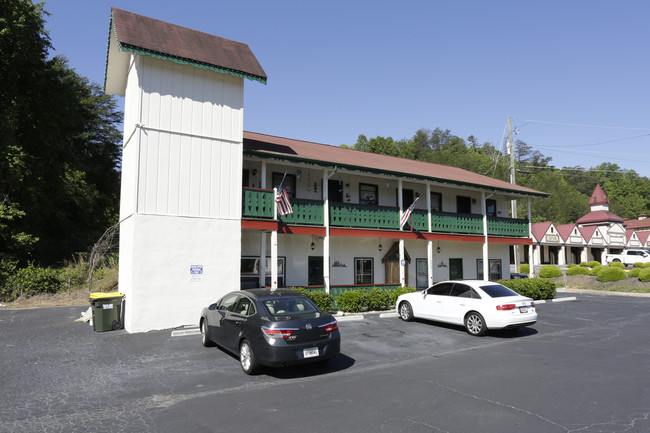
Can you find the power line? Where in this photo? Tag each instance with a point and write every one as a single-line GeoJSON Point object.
{"type": "Point", "coordinates": [580, 125]}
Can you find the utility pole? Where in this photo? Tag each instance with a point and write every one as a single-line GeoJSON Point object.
{"type": "Point", "coordinates": [513, 203]}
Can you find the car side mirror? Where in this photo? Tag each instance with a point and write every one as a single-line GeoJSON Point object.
{"type": "Point", "coordinates": [212, 307]}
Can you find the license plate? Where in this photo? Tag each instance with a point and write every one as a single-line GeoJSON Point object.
{"type": "Point", "coordinates": [523, 309]}
{"type": "Point", "coordinates": [310, 353]}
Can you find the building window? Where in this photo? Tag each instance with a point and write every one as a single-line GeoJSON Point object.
{"type": "Point", "coordinates": [368, 194]}
{"type": "Point", "coordinates": [250, 272]}
{"type": "Point", "coordinates": [289, 183]}
{"type": "Point", "coordinates": [363, 267]}
{"type": "Point", "coordinates": [491, 207]}
{"type": "Point", "coordinates": [463, 204]}
{"type": "Point", "coordinates": [494, 269]}
{"type": "Point", "coordinates": [422, 273]}
{"type": "Point", "coordinates": [436, 202]}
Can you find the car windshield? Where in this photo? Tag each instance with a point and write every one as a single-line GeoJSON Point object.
{"type": "Point", "coordinates": [288, 305]}
{"type": "Point", "coordinates": [498, 291]}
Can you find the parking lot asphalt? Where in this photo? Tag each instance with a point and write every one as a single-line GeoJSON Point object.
{"type": "Point", "coordinates": [583, 367]}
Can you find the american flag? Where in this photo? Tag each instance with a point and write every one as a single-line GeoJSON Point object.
{"type": "Point", "coordinates": [282, 199]}
{"type": "Point", "coordinates": [407, 214]}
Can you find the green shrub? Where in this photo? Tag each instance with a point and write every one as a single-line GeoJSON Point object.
{"type": "Point", "coordinates": [396, 292]}
{"type": "Point", "coordinates": [378, 299]}
{"type": "Point", "coordinates": [570, 265]}
{"type": "Point", "coordinates": [324, 300]}
{"type": "Point", "coordinates": [617, 265]}
{"type": "Point", "coordinates": [593, 264]}
{"type": "Point", "coordinates": [583, 264]}
{"type": "Point", "coordinates": [536, 288]}
{"type": "Point", "coordinates": [525, 268]}
{"type": "Point", "coordinates": [577, 270]}
{"type": "Point", "coordinates": [638, 264]}
{"type": "Point", "coordinates": [646, 265]}
{"type": "Point", "coordinates": [550, 271]}
{"type": "Point", "coordinates": [353, 301]}
{"type": "Point", "coordinates": [31, 281]}
{"type": "Point", "coordinates": [634, 272]}
{"type": "Point", "coordinates": [644, 275]}
{"type": "Point", "coordinates": [595, 270]}
{"type": "Point", "coordinates": [608, 273]}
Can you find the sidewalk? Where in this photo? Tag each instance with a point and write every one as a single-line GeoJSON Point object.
{"type": "Point", "coordinates": [602, 292]}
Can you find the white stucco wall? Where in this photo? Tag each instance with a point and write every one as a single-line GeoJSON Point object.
{"type": "Point", "coordinates": [155, 268]}
{"type": "Point", "coordinates": [181, 192]}
{"type": "Point", "coordinates": [296, 249]}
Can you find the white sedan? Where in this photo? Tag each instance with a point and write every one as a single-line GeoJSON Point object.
{"type": "Point", "coordinates": [477, 305]}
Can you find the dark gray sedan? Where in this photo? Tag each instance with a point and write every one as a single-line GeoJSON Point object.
{"type": "Point", "coordinates": [272, 328]}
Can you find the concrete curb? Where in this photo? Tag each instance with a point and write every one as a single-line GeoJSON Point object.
{"type": "Point", "coordinates": [602, 292]}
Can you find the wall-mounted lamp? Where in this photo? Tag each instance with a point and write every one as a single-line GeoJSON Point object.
{"type": "Point", "coordinates": [313, 245]}
{"type": "Point", "coordinates": [380, 247]}
{"type": "Point", "coordinates": [473, 201]}
{"type": "Point", "coordinates": [254, 172]}
{"type": "Point", "coordinates": [298, 174]}
{"type": "Point", "coordinates": [438, 247]}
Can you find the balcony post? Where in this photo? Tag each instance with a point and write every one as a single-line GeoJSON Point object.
{"type": "Point", "coordinates": [274, 259]}
{"type": "Point", "coordinates": [262, 264]}
{"type": "Point", "coordinates": [486, 267]}
{"type": "Point", "coordinates": [326, 240]}
{"type": "Point", "coordinates": [430, 243]}
{"type": "Point", "coordinates": [402, 263]}
{"type": "Point", "coordinates": [274, 245]}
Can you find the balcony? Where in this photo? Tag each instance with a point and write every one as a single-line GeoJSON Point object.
{"type": "Point", "coordinates": [258, 204]}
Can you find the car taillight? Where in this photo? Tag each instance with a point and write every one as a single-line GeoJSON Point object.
{"type": "Point", "coordinates": [277, 332]}
{"type": "Point", "coordinates": [532, 304]}
{"type": "Point", "coordinates": [506, 307]}
{"type": "Point", "coordinates": [330, 327]}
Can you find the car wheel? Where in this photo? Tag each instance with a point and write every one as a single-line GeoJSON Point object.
{"type": "Point", "coordinates": [405, 311]}
{"type": "Point", "coordinates": [475, 324]}
{"type": "Point", "coordinates": [204, 334]}
{"type": "Point", "coordinates": [247, 359]}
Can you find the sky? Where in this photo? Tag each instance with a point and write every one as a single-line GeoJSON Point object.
{"type": "Point", "coordinates": [573, 75]}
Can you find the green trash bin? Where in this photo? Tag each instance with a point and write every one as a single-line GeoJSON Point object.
{"type": "Point", "coordinates": [107, 311]}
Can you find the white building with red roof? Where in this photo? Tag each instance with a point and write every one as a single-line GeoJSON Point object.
{"type": "Point", "coordinates": [597, 233]}
{"type": "Point", "coordinates": [198, 215]}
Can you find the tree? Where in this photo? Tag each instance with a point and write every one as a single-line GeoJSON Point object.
{"type": "Point", "coordinates": [60, 146]}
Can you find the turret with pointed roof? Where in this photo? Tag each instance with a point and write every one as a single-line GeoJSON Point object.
{"type": "Point", "coordinates": [600, 214]}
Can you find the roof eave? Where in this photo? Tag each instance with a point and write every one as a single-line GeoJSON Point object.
{"type": "Point", "coordinates": [514, 192]}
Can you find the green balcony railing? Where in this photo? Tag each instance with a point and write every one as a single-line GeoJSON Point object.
{"type": "Point", "coordinates": [258, 203]}
{"type": "Point", "coordinates": [456, 223]}
{"type": "Point", "coordinates": [305, 212]}
{"type": "Point", "coordinates": [507, 227]}
{"type": "Point", "coordinates": [363, 216]}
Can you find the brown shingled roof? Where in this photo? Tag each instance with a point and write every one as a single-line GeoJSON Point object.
{"type": "Point", "coordinates": [289, 149]}
{"type": "Point", "coordinates": [150, 36]}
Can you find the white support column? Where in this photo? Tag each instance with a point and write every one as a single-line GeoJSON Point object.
{"type": "Point", "coordinates": [326, 240]}
{"type": "Point", "coordinates": [402, 263]}
{"type": "Point", "coordinates": [429, 243]}
{"type": "Point", "coordinates": [562, 256]}
{"type": "Point", "coordinates": [274, 259]}
{"type": "Point", "coordinates": [429, 263]}
{"type": "Point", "coordinates": [263, 175]}
{"type": "Point", "coordinates": [429, 205]}
{"type": "Point", "coordinates": [274, 245]}
{"type": "Point", "coordinates": [486, 264]}
{"type": "Point", "coordinates": [262, 265]}
{"type": "Point", "coordinates": [531, 261]}
{"type": "Point", "coordinates": [584, 254]}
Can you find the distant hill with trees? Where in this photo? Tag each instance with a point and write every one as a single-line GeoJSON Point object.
{"type": "Point", "coordinates": [570, 187]}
